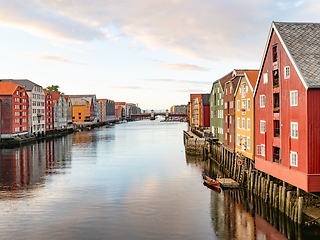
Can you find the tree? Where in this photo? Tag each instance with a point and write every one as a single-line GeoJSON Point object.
{"type": "Point", "coordinates": [53, 88]}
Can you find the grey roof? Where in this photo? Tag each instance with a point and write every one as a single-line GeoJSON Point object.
{"type": "Point", "coordinates": [205, 99]}
{"type": "Point", "coordinates": [82, 96]}
{"type": "Point", "coordinates": [27, 84]}
{"type": "Point", "coordinates": [303, 43]}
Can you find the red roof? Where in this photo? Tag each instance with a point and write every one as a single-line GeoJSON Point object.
{"type": "Point", "coordinates": [55, 95]}
{"type": "Point", "coordinates": [252, 76]}
{"type": "Point", "coordinates": [8, 88]}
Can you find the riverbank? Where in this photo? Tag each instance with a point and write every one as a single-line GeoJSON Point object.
{"type": "Point", "coordinates": [297, 205]}
{"type": "Point", "coordinates": [75, 127]}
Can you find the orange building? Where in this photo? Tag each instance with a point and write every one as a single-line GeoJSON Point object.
{"type": "Point", "coordinates": [80, 110]}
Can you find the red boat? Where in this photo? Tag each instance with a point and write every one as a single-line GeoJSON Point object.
{"type": "Point", "coordinates": [213, 188]}
{"type": "Point", "coordinates": [210, 181]}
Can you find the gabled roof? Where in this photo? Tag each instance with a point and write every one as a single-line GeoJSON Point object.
{"type": "Point", "coordinates": [55, 95]}
{"type": "Point", "coordinates": [301, 42]}
{"type": "Point", "coordinates": [27, 84]}
{"type": "Point", "coordinates": [252, 76]}
{"type": "Point", "coordinates": [78, 102]}
{"type": "Point", "coordinates": [7, 88]}
{"type": "Point", "coordinates": [205, 99]}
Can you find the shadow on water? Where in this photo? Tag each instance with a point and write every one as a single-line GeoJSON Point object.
{"type": "Point", "coordinates": [27, 167]}
{"type": "Point", "coordinates": [238, 214]}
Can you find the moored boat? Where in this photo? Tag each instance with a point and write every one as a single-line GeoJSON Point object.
{"type": "Point", "coordinates": [211, 181]}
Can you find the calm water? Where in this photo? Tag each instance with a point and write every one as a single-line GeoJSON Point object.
{"type": "Point", "coordinates": [129, 181]}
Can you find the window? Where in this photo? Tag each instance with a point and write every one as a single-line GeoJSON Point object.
{"type": "Point", "coordinates": [293, 159]}
{"type": "Point", "coordinates": [16, 99]}
{"type": "Point", "coordinates": [276, 155]}
{"type": "Point", "coordinates": [238, 122]}
{"type": "Point", "coordinates": [24, 120]}
{"type": "Point", "coordinates": [263, 150]}
{"type": "Point", "coordinates": [238, 139]}
{"type": "Point", "coordinates": [276, 128]}
{"type": "Point", "coordinates": [225, 105]}
{"type": "Point", "coordinates": [294, 130]}
{"type": "Point", "coordinates": [274, 53]}
{"type": "Point", "coordinates": [230, 138]}
{"type": "Point", "coordinates": [248, 124]}
{"type": "Point", "coordinates": [248, 104]}
{"type": "Point", "coordinates": [294, 98]}
{"type": "Point", "coordinates": [262, 101]}
{"type": "Point", "coordinates": [23, 94]}
{"type": "Point", "coordinates": [248, 142]}
{"type": "Point", "coordinates": [24, 114]}
{"type": "Point", "coordinates": [276, 103]}
{"type": "Point", "coordinates": [231, 104]}
{"type": "Point", "coordinates": [221, 102]}
{"type": "Point", "coordinates": [17, 92]}
{"type": "Point", "coordinates": [230, 120]}
{"type": "Point", "coordinates": [262, 126]}
{"type": "Point", "coordinates": [243, 123]}
{"type": "Point", "coordinates": [243, 107]}
{"type": "Point", "coordinates": [16, 120]}
{"type": "Point", "coordinates": [275, 79]}
{"type": "Point", "coordinates": [238, 105]}
{"type": "Point", "coordinates": [24, 100]}
{"type": "Point", "coordinates": [286, 72]}
{"type": "Point", "coordinates": [226, 118]}
{"type": "Point", "coordinates": [265, 78]}
{"type": "Point", "coordinates": [219, 95]}
{"type": "Point", "coordinates": [225, 136]}
{"type": "Point", "coordinates": [24, 128]}
{"type": "Point", "coordinates": [16, 106]}
{"type": "Point", "coordinates": [230, 89]}
{"type": "Point", "coordinates": [16, 114]}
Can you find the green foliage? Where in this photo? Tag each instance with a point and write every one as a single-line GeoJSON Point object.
{"type": "Point", "coordinates": [53, 88]}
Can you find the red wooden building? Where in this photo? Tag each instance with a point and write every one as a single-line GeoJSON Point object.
{"type": "Point", "coordinates": [287, 113]}
{"type": "Point", "coordinates": [229, 106]}
{"type": "Point", "coordinates": [200, 110]}
{"type": "Point", "coordinates": [49, 110]}
{"type": "Point", "coordinates": [14, 110]}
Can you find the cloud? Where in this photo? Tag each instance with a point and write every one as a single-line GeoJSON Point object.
{"type": "Point", "coordinates": [208, 29]}
{"type": "Point", "coordinates": [180, 81]}
{"type": "Point", "coordinates": [183, 66]}
{"type": "Point", "coordinates": [53, 57]}
{"type": "Point", "coordinates": [128, 87]}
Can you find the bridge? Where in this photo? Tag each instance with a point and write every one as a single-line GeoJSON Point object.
{"type": "Point", "coordinates": [153, 115]}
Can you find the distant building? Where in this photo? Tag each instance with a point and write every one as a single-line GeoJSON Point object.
{"type": "Point", "coordinates": [49, 111]}
{"type": "Point", "coordinates": [69, 109]}
{"type": "Point", "coordinates": [110, 104]}
{"type": "Point", "coordinates": [179, 109]}
{"type": "Point", "coordinates": [80, 110]}
{"type": "Point", "coordinates": [94, 105]}
{"type": "Point", "coordinates": [36, 104]}
{"type": "Point", "coordinates": [200, 110]}
{"type": "Point", "coordinates": [60, 110]}
{"type": "Point", "coordinates": [14, 110]}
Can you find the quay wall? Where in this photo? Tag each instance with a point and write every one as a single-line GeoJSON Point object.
{"type": "Point", "coordinates": [274, 192]}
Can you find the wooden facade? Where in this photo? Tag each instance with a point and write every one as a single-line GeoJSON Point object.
{"type": "Point", "coordinates": [49, 111]}
{"type": "Point", "coordinates": [287, 95]}
{"type": "Point", "coordinates": [14, 110]}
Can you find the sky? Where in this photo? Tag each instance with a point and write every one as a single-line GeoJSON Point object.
{"type": "Point", "coordinates": [150, 52]}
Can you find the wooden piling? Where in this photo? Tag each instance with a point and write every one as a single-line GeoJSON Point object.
{"type": "Point", "coordinates": [280, 198]}
{"type": "Point", "coordinates": [300, 205]}
{"type": "Point", "coordinates": [288, 203]}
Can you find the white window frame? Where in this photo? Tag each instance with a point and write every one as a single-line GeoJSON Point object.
{"type": "Point", "coordinates": [238, 123]}
{"type": "Point", "coordinates": [16, 120]}
{"type": "Point", "coordinates": [244, 102]}
{"type": "Point", "coordinates": [225, 105]}
{"type": "Point", "coordinates": [294, 98]}
{"type": "Point", "coordinates": [238, 139]}
{"type": "Point", "coordinates": [231, 104]}
{"type": "Point", "coordinates": [262, 126]}
{"type": "Point", "coordinates": [294, 129]}
{"type": "Point", "coordinates": [263, 150]}
{"type": "Point", "coordinates": [243, 123]}
{"type": "Point", "coordinates": [230, 119]}
{"type": "Point", "coordinates": [16, 129]}
{"type": "Point", "coordinates": [248, 104]}
{"type": "Point", "coordinates": [248, 123]}
{"type": "Point", "coordinates": [293, 159]}
{"type": "Point", "coordinates": [248, 142]}
{"type": "Point", "coordinates": [238, 105]}
{"type": "Point", "coordinates": [262, 101]}
{"type": "Point", "coordinates": [265, 78]}
{"type": "Point", "coordinates": [225, 136]}
{"type": "Point", "coordinates": [286, 72]}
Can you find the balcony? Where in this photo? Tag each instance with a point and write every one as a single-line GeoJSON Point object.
{"type": "Point", "coordinates": [275, 79]}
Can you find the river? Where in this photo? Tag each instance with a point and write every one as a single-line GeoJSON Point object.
{"type": "Point", "coordinates": [128, 181]}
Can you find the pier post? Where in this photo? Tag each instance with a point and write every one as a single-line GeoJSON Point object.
{"type": "Point", "coordinates": [300, 204]}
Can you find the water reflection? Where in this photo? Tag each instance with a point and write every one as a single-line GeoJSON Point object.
{"type": "Point", "coordinates": [26, 168]}
{"type": "Point", "coordinates": [237, 214]}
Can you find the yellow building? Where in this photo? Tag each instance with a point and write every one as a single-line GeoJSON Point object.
{"type": "Point", "coordinates": [80, 110]}
{"type": "Point", "coordinates": [244, 127]}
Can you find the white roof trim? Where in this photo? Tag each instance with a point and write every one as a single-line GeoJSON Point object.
{"type": "Point", "coordinates": [273, 27]}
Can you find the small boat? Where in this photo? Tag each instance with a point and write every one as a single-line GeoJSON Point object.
{"type": "Point", "coordinates": [213, 188]}
{"type": "Point", "coordinates": [211, 181]}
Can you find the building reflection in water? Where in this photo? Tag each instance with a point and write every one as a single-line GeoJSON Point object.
{"type": "Point", "coordinates": [26, 167]}
{"type": "Point", "coordinates": [237, 214]}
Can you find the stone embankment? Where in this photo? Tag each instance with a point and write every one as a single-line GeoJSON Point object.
{"type": "Point", "coordinates": [30, 138]}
